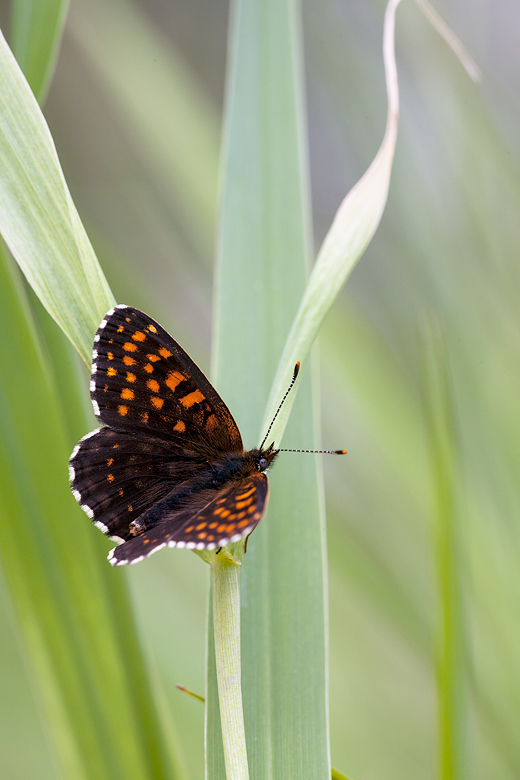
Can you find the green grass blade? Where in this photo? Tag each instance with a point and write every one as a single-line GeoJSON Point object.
{"type": "Point", "coordinates": [74, 616]}
{"type": "Point", "coordinates": [353, 227]}
{"type": "Point", "coordinates": [263, 253]}
{"type": "Point", "coordinates": [38, 219]}
{"type": "Point", "coordinates": [336, 775]}
{"type": "Point", "coordinates": [36, 29]}
{"type": "Point", "coordinates": [452, 700]}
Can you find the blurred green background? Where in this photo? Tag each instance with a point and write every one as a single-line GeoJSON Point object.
{"type": "Point", "coordinates": [135, 109]}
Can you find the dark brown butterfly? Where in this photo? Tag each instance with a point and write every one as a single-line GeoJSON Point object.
{"type": "Point", "coordinates": [169, 467]}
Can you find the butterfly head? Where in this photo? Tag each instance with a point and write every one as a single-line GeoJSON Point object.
{"type": "Point", "coordinates": [264, 458]}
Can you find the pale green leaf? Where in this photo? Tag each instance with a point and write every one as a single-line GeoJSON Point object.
{"type": "Point", "coordinates": [351, 231]}
{"type": "Point", "coordinates": [38, 219]}
{"type": "Point", "coordinates": [263, 253]}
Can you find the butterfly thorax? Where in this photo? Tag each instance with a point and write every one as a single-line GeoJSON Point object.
{"type": "Point", "coordinates": [230, 468]}
{"type": "Point", "coordinates": [238, 465]}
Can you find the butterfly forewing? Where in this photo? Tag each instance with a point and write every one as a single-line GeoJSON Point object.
{"type": "Point", "coordinates": [209, 522]}
{"type": "Point", "coordinates": [143, 380]}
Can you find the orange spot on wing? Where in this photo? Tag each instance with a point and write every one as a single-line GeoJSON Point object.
{"type": "Point", "coordinates": [174, 378]}
{"type": "Point", "coordinates": [112, 371]}
{"type": "Point", "coordinates": [179, 426]}
{"type": "Point", "coordinates": [110, 477]}
{"type": "Point", "coordinates": [129, 347]}
{"type": "Point", "coordinates": [110, 461]}
{"type": "Point", "coordinates": [192, 398]}
{"type": "Point", "coordinates": [144, 418]}
{"type": "Point", "coordinates": [127, 394]}
{"type": "Point", "coordinates": [246, 494]}
{"type": "Point", "coordinates": [121, 329]}
{"type": "Point", "coordinates": [224, 513]}
{"type": "Point", "coordinates": [152, 328]}
{"type": "Point", "coordinates": [153, 358]}
{"type": "Point", "coordinates": [201, 525]}
{"type": "Point", "coordinates": [243, 523]}
{"type": "Point", "coordinates": [130, 377]}
{"type": "Point", "coordinates": [188, 530]}
{"type": "Point", "coordinates": [122, 410]}
{"type": "Point", "coordinates": [202, 535]}
{"type": "Point", "coordinates": [153, 385]}
{"type": "Point", "coordinates": [138, 336]}
{"type": "Point", "coordinates": [165, 353]}
{"type": "Point", "coordinates": [110, 356]}
{"type": "Point", "coordinates": [129, 361]}
{"type": "Point", "coordinates": [211, 423]}
{"type": "Point", "coordinates": [243, 504]}
{"type": "Point", "coordinates": [121, 491]}
{"type": "Point", "coordinates": [157, 402]}
{"type": "Point", "coordinates": [148, 368]}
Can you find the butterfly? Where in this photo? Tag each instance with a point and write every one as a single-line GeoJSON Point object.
{"type": "Point", "coordinates": [168, 467]}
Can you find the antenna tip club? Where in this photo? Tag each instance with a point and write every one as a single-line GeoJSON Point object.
{"type": "Point", "coordinates": [296, 369]}
{"type": "Point", "coordinates": [341, 452]}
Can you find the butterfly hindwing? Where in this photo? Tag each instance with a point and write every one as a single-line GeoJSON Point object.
{"type": "Point", "coordinates": [142, 380]}
{"type": "Point", "coordinates": [207, 523]}
{"type": "Point", "coordinates": [116, 477]}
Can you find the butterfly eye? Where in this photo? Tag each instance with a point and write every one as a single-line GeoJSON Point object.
{"type": "Point", "coordinates": [262, 464]}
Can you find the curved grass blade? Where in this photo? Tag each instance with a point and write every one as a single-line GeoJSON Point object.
{"type": "Point", "coordinates": [352, 229]}
{"type": "Point", "coordinates": [38, 218]}
{"type": "Point", "coordinates": [355, 222]}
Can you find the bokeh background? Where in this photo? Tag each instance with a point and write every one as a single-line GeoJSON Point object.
{"type": "Point", "coordinates": [135, 109]}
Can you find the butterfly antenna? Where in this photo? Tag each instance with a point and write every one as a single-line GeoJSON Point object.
{"type": "Point", "coordinates": [319, 452]}
{"type": "Point", "coordinates": [293, 380]}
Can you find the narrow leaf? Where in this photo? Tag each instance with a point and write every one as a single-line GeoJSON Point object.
{"type": "Point", "coordinates": [36, 28]}
{"type": "Point", "coordinates": [352, 229]}
{"type": "Point", "coordinates": [446, 512]}
{"type": "Point", "coordinates": [73, 612]}
{"type": "Point", "coordinates": [263, 252]}
{"type": "Point", "coordinates": [38, 218]}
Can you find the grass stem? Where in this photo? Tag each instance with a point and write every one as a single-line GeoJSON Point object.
{"type": "Point", "coordinates": [226, 623]}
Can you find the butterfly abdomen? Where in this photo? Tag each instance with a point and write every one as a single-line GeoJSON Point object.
{"type": "Point", "coordinates": [215, 476]}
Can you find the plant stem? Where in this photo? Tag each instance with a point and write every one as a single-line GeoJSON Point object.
{"type": "Point", "coordinates": [226, 625]}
